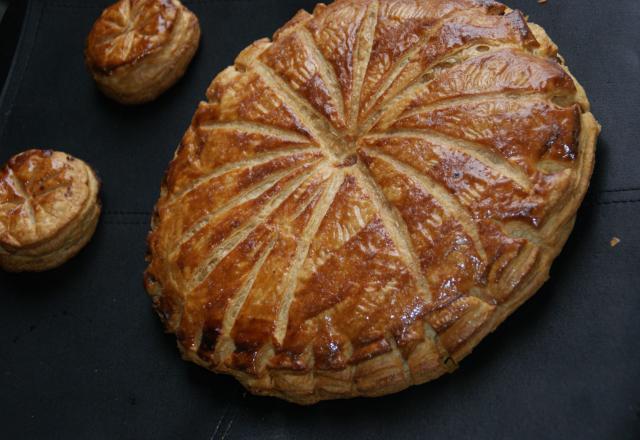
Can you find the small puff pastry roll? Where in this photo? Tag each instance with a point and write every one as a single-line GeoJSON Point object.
{"type": "Point", "coordinates": [49, 209]}
{"type": "Point", "coordinates": [137, 49]}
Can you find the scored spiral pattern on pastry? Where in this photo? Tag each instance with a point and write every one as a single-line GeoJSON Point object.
{"type": "Point", "coordinates": [363, 199]}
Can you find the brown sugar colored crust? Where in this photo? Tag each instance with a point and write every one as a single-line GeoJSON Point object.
{"type": "Point", "coordinates": [362, 199]}
{"type": "Point", "coordinates": [49, 209]}
{"type": "Point", "coordinates": [137, 49]}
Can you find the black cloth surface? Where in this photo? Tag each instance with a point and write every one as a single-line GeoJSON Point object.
{"type": "Point", "coordinates": [82, 355]}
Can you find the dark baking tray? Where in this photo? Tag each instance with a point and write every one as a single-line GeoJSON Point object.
{"type": "Point", "coordinates": [82, 355]}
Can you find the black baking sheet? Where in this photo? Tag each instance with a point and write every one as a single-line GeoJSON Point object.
{"type": "Point", "coordinates": [83, 356]}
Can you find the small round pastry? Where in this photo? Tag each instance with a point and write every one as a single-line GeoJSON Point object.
{"type": "Point", "coordinates": [49, 209]}
{"type": "Point", "coordinates": [137, 49]}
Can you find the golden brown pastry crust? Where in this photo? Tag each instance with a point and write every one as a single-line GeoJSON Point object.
{"type": "Point", "coordinates": [363, 199]}
{"type": "Point", "coordinates": [49, 209]}
{"type": "Point", "coordinates": [137, 49]}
